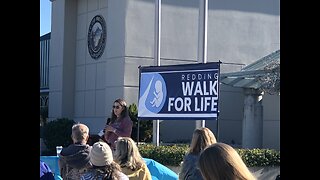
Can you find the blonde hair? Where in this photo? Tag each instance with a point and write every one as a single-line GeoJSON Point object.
{"type": "Point", "coordinates": [201, 138]}
{"type": "Point", "coordinates": [221, 161]}
{"type": "Point", "coordinates": [127, 154]}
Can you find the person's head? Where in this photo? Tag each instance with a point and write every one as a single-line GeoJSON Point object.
{"type": "Point", "coordinates": [221, 161]}
{"type": "Point", "coordinates": [119, 109]}
{"type": "Point", "coordinates": [101, 158]}
{"type": "Point", "coordinates": [127, 153]}
{"type": "Point", "coordinates": [201, 138]}
{"type": "Point", "coordinates": [101, 154]}
{"type": "Point", "coordinates": [80, 133]}
{"type": "Point", "coordinates": [93, 139]}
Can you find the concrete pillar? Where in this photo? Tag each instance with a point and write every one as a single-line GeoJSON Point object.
{"type": "Point", "coordinates": [62, 59]}
{"type": "Point", "coordinates": [252, 127]}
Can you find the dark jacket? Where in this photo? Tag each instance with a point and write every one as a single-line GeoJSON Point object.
{"type": "Point", "coordinates": [74, 161]}
{"type": "Point", "coordinates": [190, 169]}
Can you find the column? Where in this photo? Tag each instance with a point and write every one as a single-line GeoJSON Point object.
{"type": "Point", "coordinates": [62, 59]}
{"type": "Point", "coordinates": [252, 127]}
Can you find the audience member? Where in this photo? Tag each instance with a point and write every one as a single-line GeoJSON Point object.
{"type": "Point", "coordinates": [45, 172]}
{"type": "Point", "coordinates": [128, 157]}
{"type": "Point", "coordinates": [201, 138]}
{"type": "Point", "coordinates": [221, 161]}
{"type": "Point", "coordinates": [74, 159]}
{"type": "Point", "coordinates": [103, 166]}
{"type": "Point", "coordinates": [120, 123]}
{"type": "Point", "coordinates": [93, 139]}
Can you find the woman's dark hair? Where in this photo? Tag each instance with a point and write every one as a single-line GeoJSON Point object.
{"type": "Point", "coordinates": [93, 139]}
{"type": "Point", "coordinates": [124, 113]}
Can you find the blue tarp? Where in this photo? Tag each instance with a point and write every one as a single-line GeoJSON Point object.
{"type": "Point", "coordinates": [157, 170]}
{"type": "Point", "coordinates": [52, 162]}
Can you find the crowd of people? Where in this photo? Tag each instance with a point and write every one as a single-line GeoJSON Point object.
{"type": "Point", "coordinates": [115, 156]}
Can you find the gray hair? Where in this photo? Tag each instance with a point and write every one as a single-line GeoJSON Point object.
{"type": "Point", "coordinates": [80, 132]}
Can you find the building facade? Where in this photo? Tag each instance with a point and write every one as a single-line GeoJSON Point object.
{"type": "Point", "coordinates": [44, 74]}
{"type": "Point", "coordinates": [97, 46]}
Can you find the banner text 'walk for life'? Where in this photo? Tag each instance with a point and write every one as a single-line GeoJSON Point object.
{"type": "Point", "coordinates": [179, 92]}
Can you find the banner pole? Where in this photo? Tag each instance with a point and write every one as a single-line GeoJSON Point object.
{"type": "Point", "coordinates": [202, 41]}
{"type": "Point", "coordinates": [217, 126]}
{"type": "Point", "coordinates": [138, 132]}
{"type": "Point", "coordinates": [157, 43]}
{"type": "Point", "coordinates": [218, 112]}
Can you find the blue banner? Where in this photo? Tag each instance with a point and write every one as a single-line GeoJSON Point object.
{"type": "Point", "coordinates": [179, 92]}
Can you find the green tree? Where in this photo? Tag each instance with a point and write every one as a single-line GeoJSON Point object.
{"type": "Point", "coordinates": [57, 133]}
{"type": "Point", "coordinates": [145, 126]}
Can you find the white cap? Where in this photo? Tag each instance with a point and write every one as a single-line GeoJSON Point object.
{"type": "Point", "coordinates": [101, 154]}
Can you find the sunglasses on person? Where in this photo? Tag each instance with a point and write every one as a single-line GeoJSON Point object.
{"type": "Point", "coordinates": [116, 107]}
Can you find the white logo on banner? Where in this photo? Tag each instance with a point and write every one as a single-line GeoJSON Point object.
{"type": "Point", "coordinates": [152, 96]}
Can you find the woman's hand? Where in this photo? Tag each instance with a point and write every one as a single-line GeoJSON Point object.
{"type": "Point", "coordinates": [110, 128]}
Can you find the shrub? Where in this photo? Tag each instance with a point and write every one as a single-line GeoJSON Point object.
{"type": "Point", "coordinates": [56, 133]}
{"type": "Point", "coordinates": [260, 157]}
{"type": "Point", "coordinates": [172, 155]}
{"type": "Point", "coordinates": [145, 126]}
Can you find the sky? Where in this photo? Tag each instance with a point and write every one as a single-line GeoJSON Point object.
{"type": "Point", "coordinates": [45, 17]}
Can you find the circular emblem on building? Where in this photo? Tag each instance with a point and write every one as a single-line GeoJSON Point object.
{"type": "Point", "coordinates": [97, 37]}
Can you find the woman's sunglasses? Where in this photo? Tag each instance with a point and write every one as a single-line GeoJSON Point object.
{"type": "Point", "coordinates": [115, 107]}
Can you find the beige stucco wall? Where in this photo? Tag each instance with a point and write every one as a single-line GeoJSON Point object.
{"type": "Point", "coordinates": [239, 32]}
